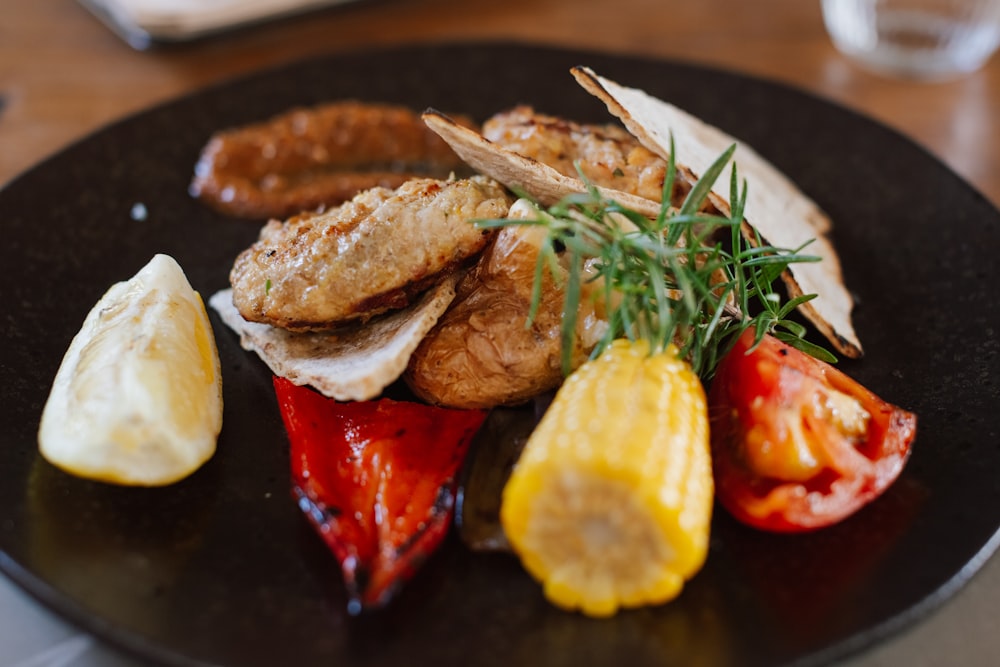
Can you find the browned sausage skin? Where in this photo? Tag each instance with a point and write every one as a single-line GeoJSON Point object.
{"type": "Point", "coordinates": [315, 157]}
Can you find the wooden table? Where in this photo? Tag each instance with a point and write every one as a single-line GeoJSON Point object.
{"type": "Point", "coordinates": [63, 75]}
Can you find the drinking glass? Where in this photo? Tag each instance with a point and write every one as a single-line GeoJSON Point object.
{"type": "Point", "coordinates": [919, 39]}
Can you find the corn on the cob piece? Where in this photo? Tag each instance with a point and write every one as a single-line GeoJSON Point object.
{"type": "Point", "coordinates": [610, 503]}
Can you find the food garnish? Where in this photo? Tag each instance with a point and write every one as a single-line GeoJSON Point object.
{"type": "Point", "coordinates": [377, 479]}
{"type": "Point", "coordinates": [796, 444]}
{"type": "Point", "coordinates": [137, 399]}
{"type": "Point", "coordinates": [669, 279]}
{"type": "Point", "coordinates": [776, 211]}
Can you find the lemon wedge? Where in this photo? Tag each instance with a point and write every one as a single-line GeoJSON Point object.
{"type": "Point", "coordinates": [137, 399]}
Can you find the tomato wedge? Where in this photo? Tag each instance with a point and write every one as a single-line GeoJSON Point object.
{"type": "Point", "coordinates": [377, 479]}
{"type": "Point", "coordinates": [796, 443]}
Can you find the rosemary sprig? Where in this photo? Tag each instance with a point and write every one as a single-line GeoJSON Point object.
{"type": "Point", "coordinates": [670, 280]}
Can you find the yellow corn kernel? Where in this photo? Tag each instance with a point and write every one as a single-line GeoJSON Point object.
{"type": "Point", "coordinates": [611, 501]}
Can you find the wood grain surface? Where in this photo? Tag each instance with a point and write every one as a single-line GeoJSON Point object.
{"type": "Point", "coordinates": [63, 74]}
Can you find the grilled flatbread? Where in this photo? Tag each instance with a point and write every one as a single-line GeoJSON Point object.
{"type": "Point", "coordinates": [782, 215]}
{"type": "Point", "coordinates": [354, 363]}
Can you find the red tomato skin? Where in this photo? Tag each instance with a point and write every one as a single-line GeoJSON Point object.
{"type": "Point", "coordinates": [766, 391]}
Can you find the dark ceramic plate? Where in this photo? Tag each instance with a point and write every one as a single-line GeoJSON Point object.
{"type": "Point", "coordinates": [222, 569]}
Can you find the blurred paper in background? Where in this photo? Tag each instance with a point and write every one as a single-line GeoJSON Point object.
{"type": "Point", "coordinates": [143, 22]}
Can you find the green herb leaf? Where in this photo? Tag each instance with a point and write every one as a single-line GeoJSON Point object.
{"type": "Point", "coordinates": [672, 280]}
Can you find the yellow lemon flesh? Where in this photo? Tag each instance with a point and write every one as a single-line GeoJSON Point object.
{"type": "Point", "coordinates": [137, 399]}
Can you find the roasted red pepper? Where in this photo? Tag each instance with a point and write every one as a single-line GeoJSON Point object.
{"type": "Point", "coordinates": [377, 479]}
{"type": "Point", "coordinates": [797, 444]}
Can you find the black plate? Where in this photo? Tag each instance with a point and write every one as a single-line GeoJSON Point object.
{"type": "Point", "coordinates": [222, 569]}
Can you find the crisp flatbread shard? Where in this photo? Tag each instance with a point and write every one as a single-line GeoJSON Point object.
{"type": "Point", "coordinates": [783, 215]}
{"type": "Point", "coordinates": [354, 363]}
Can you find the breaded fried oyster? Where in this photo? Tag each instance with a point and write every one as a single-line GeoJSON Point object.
{"type": "Point", "coordinates": [607, 154]}
{"type": "Point", "coordinates": [370, 255]}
